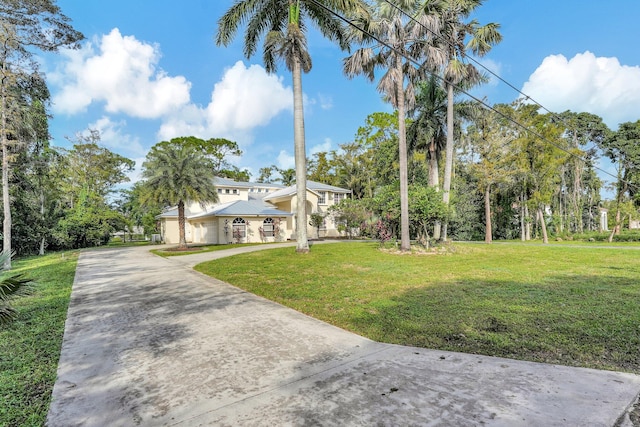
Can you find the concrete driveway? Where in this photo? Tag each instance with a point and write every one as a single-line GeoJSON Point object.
{"type": "Point", "coordinates": [150, 342]}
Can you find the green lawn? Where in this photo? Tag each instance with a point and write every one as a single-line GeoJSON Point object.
{"type": "Point", "coordinates": [196, 249]}
{"type": "Point", "coordinates": [557, 304]}
{"type": "Point", "coordinates": [30, 346]}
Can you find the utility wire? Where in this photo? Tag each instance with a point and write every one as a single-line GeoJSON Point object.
{"type": "Point", "coordinates": [527, 97]}
{"type": "Point", "coordinates": [461, 90]}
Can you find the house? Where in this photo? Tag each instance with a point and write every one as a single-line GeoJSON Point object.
{"type": "Point", "coordinates": [251, 212]}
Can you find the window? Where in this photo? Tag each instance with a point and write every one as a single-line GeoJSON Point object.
{"type": "Point", "coordinates": [226, 191]}
{"type": "Point", "coordinates": [235, 191]}
{"type": "Point", "coordinates": [322, 197]}
{"type": "Point", "coordinates": [268, 228]}
{"type": "Point", "coordinates": [239, 228]}
{"type": "Point", "coordinates": [219, 190]}
{"type": "Point", "coordinates": [337, 197]}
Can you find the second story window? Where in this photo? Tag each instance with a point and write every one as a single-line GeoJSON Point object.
{"type": "Point", "coordinates": [322, 197]}
{"type": "Point", "coordinates": [337, 197]}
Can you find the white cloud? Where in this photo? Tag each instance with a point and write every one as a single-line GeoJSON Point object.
{"type": "Point", "coordinates": [326, 101]}
{"type": "Point", "coordinates": [286, 160]}
{"type": "Point", "coordinates": [245, 98]}
{"type": "Point", "coordinates": [113, 137]}
{"type": "Point", "coordinates": [587, 83]}
{"type": "Point", "coordinates": [324, 147]}
{"type": "Point", "coordinates": [122, 73]}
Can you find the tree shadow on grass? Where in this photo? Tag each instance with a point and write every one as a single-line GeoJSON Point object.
{"type": "Point", "coordinates": [568, 320]}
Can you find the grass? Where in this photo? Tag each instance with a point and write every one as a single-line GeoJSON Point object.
{"type": "Point", "coordinates": [200, 249]}
{"type": "Point", "coordinates": [30, 346]}
{"type": "Point", "coordinates": [574, 306]}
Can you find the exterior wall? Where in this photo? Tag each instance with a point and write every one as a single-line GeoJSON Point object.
{"type": "Point", "coordinates": [171, 232]}
{"type": "Point", "coordinates": [253, 225]}
{"type": "Point", "coordinates": [204, 231]}
{"type": "Point", "coordinates": [226, 194]}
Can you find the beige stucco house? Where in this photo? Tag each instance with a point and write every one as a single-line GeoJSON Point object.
{"type": "Point", "coordinates": [251, 212]}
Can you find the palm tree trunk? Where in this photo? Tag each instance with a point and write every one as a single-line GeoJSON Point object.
{"type": "Point", "coordinates": [434, 181]}
{"type": "Point", "coordinates": [487, 214]}
{"type": "Point", "coordinates": [181, 225]}
{"type": "Point", "coordinates": [301, 160]}
{"type": "Point", "coordinates": [405, 241]}
{"type": "Point", "coordinates": [448, 166]}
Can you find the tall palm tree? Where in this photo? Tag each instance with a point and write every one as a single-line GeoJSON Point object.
{"type": "Point", "coordinates": [282, 25]}
{"type": "Point", "coordinates": [403, 38]}
{"type": "Point", "coordinates": [457, 38]}
{"type": "Point", "coordinates": [175, 173]}
{"type": "Point", "coordinates": [428, 129]}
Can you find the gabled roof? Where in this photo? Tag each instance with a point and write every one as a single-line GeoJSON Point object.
{"type": "Point", "coordinates": [285, 192]}
{"type": "Point", "coordinates": [241, 208]}
{"type": "Point", "coordinates": [226, 182]}
{"type": "Point", "coordinates": [312, 186]}
{"type": "Point", "coordinates": [318, 186]}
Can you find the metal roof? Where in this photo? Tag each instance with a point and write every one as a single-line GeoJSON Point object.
{"type": "Point", "coordinates": [242, 208]}
{"type": "Point", "coordinates": [311, 186]}
{"type": "Point", "coordinates": [226, 182]}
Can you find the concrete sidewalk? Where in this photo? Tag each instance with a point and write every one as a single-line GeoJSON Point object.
{"type": "Point", "coordinates": [150, 342]}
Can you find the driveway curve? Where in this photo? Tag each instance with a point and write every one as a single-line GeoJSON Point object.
{"type": "Point", "coordinates": [150, 342]}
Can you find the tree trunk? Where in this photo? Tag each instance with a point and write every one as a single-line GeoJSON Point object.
{"type": "Point", "coordinates": [42, 240]}
{"type": "Point", "coordinates": [527, 225]}
{"type": "Point", "coordinates": [181, 225]}
{"type": "Point", "coordinates": [522, 218]}
{"type": "Point", "coordinates": [543, 226]}
{"type": "Point", "coordinates": [434, 181]}
{"type": "Point", "coordinates": [301, 159]}
{"type": "Point", "coordinates": [577, 196]}
{"type": "Point", "coordinates": [405, 242]}
{"type": "Point", "coordinates": [6, 201]}
{"type": "Point", "coordinates": [448, 165]}
{"type": "Point", "coordinates": [488, 237]}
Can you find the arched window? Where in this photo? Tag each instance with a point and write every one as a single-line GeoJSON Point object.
{"type": "Point", "coordinates": [239, 228]}
{"type": "Point", "coordinates": [267, 227]}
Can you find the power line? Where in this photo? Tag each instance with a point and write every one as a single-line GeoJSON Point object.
{"type": "Point", "coordinates": [461, 90]}
{"type": "Point", "coordinates": [527, 97]}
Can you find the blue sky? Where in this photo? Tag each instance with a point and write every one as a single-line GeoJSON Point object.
{"type": "Point", "coordinates": [150, 71]}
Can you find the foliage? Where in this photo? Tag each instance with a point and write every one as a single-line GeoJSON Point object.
{"type": "Point", "coordinates": [351, 214]}
{"type": "Point", "coordinates": [89, 168]}
{"type": "Point", "coordinates": [89, 223]}
{"type": "Point", "coordinates": [316, 220]}
{"type": "Point", "coordinates": [425, 209]}
{"type": "Point", "coordinates": [11, 287]}
{"type": "Point", "coordinates": [550, 304]}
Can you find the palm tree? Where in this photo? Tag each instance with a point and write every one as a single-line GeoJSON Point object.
{"type": "Point", "coordinates": [403, 38]}
{"type": "Point", "coordinates": [453, 34]}
{"type": "Point", "coordinates": [428, 130]}
{"type": "Point", "coordinates": [282, 25]}
{"type": "Point", "coordinates": [175, 173]}
{"type": "Point", "coordinates": [11, 287]}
